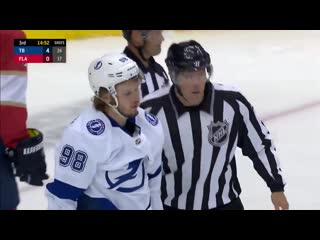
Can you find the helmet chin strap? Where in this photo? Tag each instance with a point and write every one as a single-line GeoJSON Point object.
{"type": "Point", "coordinates": [114, 107]}
{"type": "Point", "coordinates": [113, 93]}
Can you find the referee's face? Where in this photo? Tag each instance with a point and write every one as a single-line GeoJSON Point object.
{"type": "Point", "coordinates": [192, 85]}
{"type": "Point", "coordinates": [153, 43]}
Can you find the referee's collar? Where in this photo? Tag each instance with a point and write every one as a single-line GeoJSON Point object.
{"type": "Point", "coordinates": [131, 55]}
{"type": "Point", "coordinates": [205, 105]}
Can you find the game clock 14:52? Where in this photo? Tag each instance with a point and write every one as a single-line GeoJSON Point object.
{"type": "Point", "coordinates": [43, 42]}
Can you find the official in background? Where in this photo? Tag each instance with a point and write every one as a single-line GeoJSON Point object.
{"type": "Point", "coordinates": [142, 46]}
{"type": "Point", "coordinates": [204, 123]}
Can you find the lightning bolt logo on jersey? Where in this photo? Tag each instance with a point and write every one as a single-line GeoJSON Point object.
{"type": "Point", "coordinates": [123, 182]}
{"type": "Point", "coordinates": [100, 166]}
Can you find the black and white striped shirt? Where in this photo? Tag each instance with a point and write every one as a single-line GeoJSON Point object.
{"type": "Point", "coordinates": [199, 166]}
{"type": "Point", "coordinates": [155, 76]}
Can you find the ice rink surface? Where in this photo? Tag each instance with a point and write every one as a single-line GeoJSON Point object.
{"type": "Point", "coordinates": [278, 71]}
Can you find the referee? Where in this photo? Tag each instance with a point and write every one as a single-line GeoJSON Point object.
{"type": "Point", "coordinates": [142, 46]}
{"type": "Point", "coordinates": [203, 124]}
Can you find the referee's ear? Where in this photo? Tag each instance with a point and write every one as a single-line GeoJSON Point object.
{"type": "Point", "coordinates": [136, 39]}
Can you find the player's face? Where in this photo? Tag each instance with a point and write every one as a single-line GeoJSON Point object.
{"type": "Point", "coordinates": [192, 85]}
{"type": "Point", "coordinates": [153, 42]}
{"type": "Point", "coordinates": [128, 94]}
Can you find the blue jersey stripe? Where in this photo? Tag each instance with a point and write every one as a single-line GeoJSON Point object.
{"type": "Point", "coordinates": [64, 191]}
{"type": "Point", "coordinates": [86, 202]}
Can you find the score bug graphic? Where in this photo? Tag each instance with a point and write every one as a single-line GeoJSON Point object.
{"type": "Point", "coordinates": [40, 50]}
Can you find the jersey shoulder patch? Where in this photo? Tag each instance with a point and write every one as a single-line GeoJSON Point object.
{"type": "Point", "coordinates": [153, 120]}
{"type": "Point", "coordinates": [96, 127]}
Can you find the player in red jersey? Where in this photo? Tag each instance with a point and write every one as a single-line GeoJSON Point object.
{"type": "Point", "coordinates": [21, 148]}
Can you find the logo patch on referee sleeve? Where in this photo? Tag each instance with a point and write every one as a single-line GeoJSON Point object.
{"type": "Point", "coordinates": [153, 120]}
{"type": "Point", "coordinates": [218, 133]}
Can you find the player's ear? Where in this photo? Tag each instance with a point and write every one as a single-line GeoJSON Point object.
{"type": "Point", "coordinates": [136, 38]}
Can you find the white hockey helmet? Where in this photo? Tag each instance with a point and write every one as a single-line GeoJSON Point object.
{"type": "Point", "coordinates": [111, 69]}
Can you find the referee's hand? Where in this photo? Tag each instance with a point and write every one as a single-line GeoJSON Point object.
{"type": "Point", "coordinates": [279, 201]}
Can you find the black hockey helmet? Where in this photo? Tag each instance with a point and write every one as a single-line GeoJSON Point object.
{"type": "Point", "coordinates": [189, 55]}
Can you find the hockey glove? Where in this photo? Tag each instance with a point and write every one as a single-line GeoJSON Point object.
{"type": "Point", "coordinates": [29, 159]}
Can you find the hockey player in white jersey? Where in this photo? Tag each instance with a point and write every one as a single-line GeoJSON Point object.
{"type": "Point", "coordinates": [109, 157]}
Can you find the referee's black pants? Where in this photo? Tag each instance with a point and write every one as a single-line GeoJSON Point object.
{"type": "Point", "coordinates": [235, 204]}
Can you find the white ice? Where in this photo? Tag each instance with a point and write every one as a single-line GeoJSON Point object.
{"type": "Point", "coordinates": [276, 70]}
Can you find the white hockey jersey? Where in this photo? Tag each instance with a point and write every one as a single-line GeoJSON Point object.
{"type": "Point", "coordinates": [98, 165]}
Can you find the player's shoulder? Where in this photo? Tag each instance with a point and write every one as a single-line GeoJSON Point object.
{"type": "Point", "coordinates": [88, 132]}
{"type": "Point", "coordinates": [90, 123]}
{"type": "Point", "coordinates": [151, 126]}
{"type": "Point", "coordinates": [148, 118]}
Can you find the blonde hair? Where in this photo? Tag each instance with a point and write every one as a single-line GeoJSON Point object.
{"type": "Point", "coordinates": [98, 104]}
